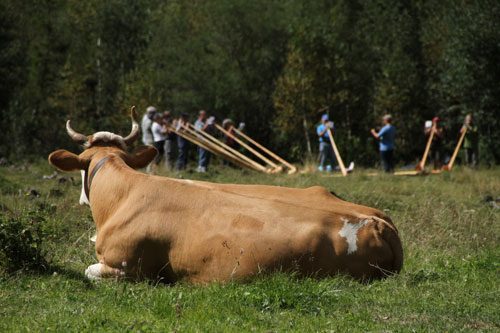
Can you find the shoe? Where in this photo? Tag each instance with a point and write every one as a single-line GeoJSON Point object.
{"type": "Point", "coordinates": [328, 168]}
{"type": "Point", "coordinates": [320, 168]}
{"type": "Point", "coordinates": [351, 167]}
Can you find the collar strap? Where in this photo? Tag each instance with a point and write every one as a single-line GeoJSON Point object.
{"type": "Point", "coordinates": [92, 174]}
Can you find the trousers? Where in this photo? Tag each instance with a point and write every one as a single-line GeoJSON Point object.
{"type": "Point", "coordinates": [326, 154]}
{"type": "Point", "coordinates": [204, 157]}
{"type": "Point", "coordinates": [386, 160]}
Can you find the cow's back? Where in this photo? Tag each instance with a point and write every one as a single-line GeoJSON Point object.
{"type": "Point", "coordinates": [241, 230]}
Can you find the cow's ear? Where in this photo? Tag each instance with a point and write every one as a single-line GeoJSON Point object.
{"type": "Point", "coordinates": [141, 157]}
{"type": "Point", "coordinates": [67, 161]}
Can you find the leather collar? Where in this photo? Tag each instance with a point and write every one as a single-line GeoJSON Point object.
{"type": "Point", "coordinates": [88, 180]}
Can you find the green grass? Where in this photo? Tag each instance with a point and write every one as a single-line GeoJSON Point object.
{"type": "Point", "coordinates": [450, 280]}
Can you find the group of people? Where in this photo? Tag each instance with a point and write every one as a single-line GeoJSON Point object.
{"type": "Point", "coordinates": [159, 130]}
{"type": "Point", "coordinates": [385, 135]}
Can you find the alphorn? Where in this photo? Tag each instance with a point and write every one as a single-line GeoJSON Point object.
{"type": "Point", "coordinates": [220, 145]}
{"type": "Point", "coordinates": [216, 149]}
{"type": "Point", "coordinates": [417, 173]}
{"type": "Point", "coordinates": [292, 169]}
{"type": "Point", "coordinates": [197, 142]}
{"type": "Point", "coordinates": [250, 149]}
{"type": "Point", "coordinates": [256, 165]}
{"type": "Point", "coordinates": [455, 152]}
{"type": "Point", "coordinates": [421, 165]}
{"type": "Point", "coordinates": [337, 154]}
{"type": "Point", "coordinates": [205, 142]}
{"type": "Point", "coordinates": [222, 152]}
{"type": "Point", "coordinates": [211, 148]}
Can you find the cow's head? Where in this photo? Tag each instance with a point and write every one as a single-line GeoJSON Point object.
{"type": "Point", "coordinates": [101, 144]}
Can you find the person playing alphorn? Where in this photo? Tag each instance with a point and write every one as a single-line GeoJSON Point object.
{"type": "Point", "coordinates": [471, 141]}
{"type": "Point", "coordinates": [325, 148]}
{"type": "Point", "coordinates": [436, 150]}
{"type": "Point", "coordinates": [203, 124]}
{"type": "Point", "coordinates": [386, 143]}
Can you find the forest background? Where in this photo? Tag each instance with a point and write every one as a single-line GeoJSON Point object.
{"type": "Point", "coordinates": [276, 65]}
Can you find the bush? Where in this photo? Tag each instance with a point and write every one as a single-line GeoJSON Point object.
{"type": "Point", "coordinates": [21, 242]}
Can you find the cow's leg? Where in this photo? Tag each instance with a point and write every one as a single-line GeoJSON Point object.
{"type": "Point", "coordinates": [98, 271]}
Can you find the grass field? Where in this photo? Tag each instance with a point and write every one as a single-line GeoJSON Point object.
{"type": "Point", "coordinates": [450, 279]}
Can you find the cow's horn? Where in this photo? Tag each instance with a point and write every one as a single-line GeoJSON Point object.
{"type": "Point", "coordinates": [134, 133]}
{"type": "Point", "coordinates": [77, 137]}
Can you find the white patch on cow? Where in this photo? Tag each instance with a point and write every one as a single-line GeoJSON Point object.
{"type": "Point", "coordinates": [107, 137]}
{"type": "Point", "coordinates": [350, 232]}
{"type": "Point", "coordinates": [93, 272]}
{"type": "Point", "coordinates": [189, 181]}
{"type": "Point", "coordinates": [83, 197]}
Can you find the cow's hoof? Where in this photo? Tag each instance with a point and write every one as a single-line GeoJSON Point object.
{"type": "Point", "coordinates": [93, 272]}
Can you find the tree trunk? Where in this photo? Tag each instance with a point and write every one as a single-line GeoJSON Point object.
{"type": "Point", "coordinates": [306, 133]}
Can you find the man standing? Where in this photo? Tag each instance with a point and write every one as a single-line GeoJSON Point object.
{"type": "Point", "coordinates": [437, 142]}
{"type": "Point", "coordinates": [325, 148]}
{"type": "Point", "coordinates": [386, 145]}
{"type": "Point", "coordinates": [471, 141]}
{"type": "Point", "coordinates": [147, 134]}
{"type": "Point", "coordinates": [146, 124]}
{"type": "Point", "coordinates": [203, 124]}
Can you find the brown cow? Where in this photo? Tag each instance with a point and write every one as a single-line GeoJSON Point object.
{"type": "Point", "coordinates": [157, 227]}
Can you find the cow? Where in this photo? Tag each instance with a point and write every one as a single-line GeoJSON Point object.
{"type": "Point", "coordinates": [152, 227]}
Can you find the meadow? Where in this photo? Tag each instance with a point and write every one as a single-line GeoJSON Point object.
{"type": "Point", "coordinates": [450, 281]}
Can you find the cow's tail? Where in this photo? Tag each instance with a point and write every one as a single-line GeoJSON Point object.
{"type": "Point", "coordinates": [391, 236]}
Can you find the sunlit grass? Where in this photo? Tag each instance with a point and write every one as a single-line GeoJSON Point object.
{"type": "Point", "coordinates": [450, 279]}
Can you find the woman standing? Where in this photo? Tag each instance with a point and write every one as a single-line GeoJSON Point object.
{"type": "Point", "coordinates": [386, 138]}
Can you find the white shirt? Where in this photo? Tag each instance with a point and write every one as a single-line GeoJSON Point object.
{"type": "Point", "coordinates": [158, 133]}
{"type": "Point", "coordinates": [147, 137]}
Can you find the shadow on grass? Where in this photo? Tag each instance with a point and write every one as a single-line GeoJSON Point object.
{"type": "Point", "coordinates": [47, 270]}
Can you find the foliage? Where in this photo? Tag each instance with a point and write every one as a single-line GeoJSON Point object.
{"type": "Point", "coordinates": [465, 73]}
{"type": "Point", "coordinates": [21, 241]}
{"type": "Point", "coordinates": [276, 65]}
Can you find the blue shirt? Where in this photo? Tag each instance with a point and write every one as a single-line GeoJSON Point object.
{"type": "Point", "coordinates": [199, 124]}
{"type": "Point", "coordinates": [386, 137]}
{"type": "Point", "coordinates": [325, 136]}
